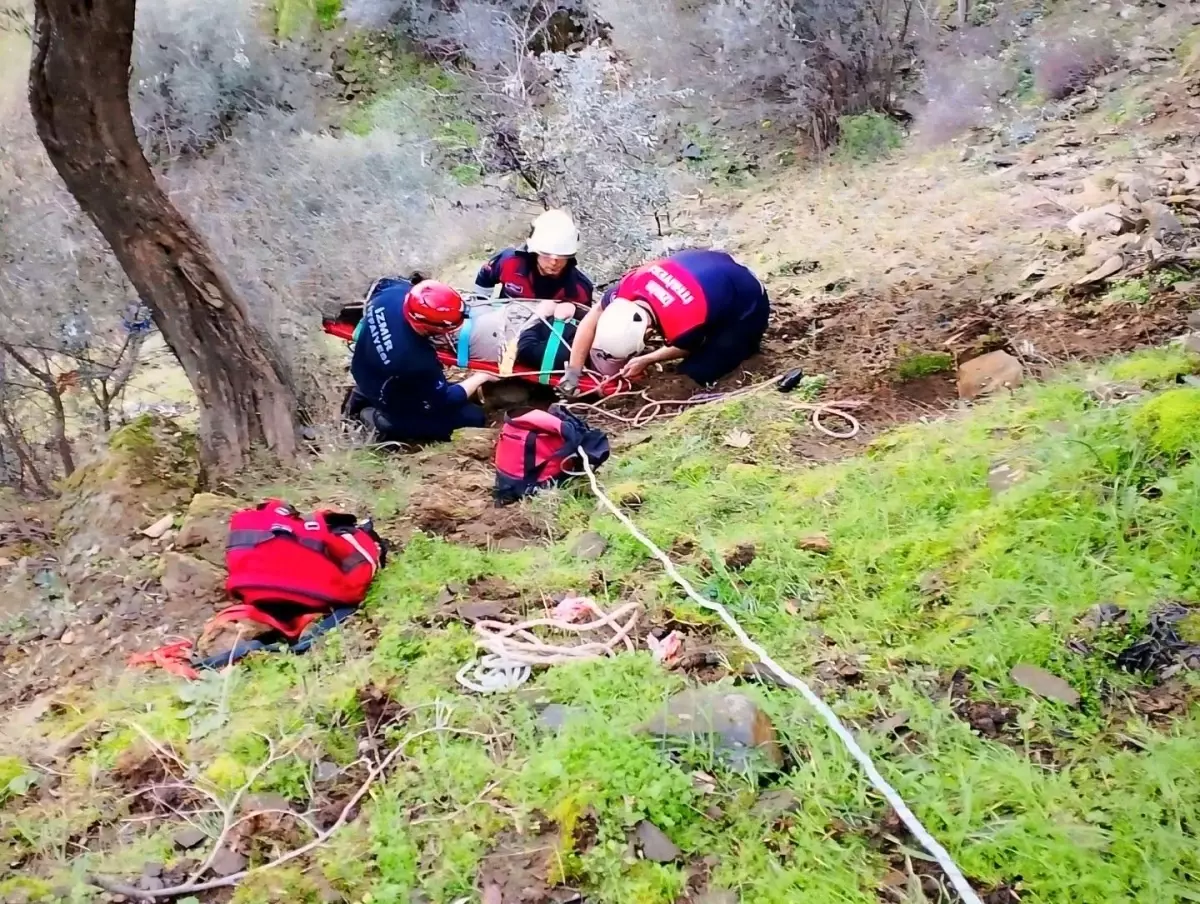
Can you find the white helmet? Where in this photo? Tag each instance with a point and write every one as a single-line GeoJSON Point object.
{"type": "Point", "coordinates": [554, 232]}
{"type": "Point", "coordinates": [620, 334]}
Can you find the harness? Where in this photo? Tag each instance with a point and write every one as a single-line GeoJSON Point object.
{"type": "Point", "coordinates": [552, 346]}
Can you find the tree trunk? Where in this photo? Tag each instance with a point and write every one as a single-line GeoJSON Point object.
{"type": "Point", "coordinates": [79, 95]}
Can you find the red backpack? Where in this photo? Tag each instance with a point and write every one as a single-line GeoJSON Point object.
{"type": "Point", "coordinates": [319, 562]}
{"type": "Point", "coordinates": [538, 449]}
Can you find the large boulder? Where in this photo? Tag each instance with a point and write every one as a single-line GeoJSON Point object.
{"type": "Point", "coordinates": [989, 373]}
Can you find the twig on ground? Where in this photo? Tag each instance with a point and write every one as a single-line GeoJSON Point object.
{"type": "Point", "coordinates": [191, 887]}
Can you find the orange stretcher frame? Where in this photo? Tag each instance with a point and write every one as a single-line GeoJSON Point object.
{"type": "Point", "coordinates": [343, 325]}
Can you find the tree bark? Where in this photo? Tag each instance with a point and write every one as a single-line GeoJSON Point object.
{"type": "Point", "coordinates": [79, 95]}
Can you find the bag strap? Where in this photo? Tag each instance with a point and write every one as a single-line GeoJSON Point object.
{"type": "Point", "coordinates": [249, 539]}
{"type": "Point", "coordinates": [464, 343]}
{"type": "Point", "coordinates": [552, 346]}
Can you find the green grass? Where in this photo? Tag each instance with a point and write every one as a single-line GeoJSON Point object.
{"type": "Point", "coordinates": [1110, 820]}
{"type": "Point", "coordinates": [293, 17]}
{"type": "Point", "coordinates": [923, 364]}
{"type": "Point", "coordinates": [867, 137]}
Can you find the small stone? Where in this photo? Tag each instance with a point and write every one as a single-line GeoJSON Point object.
{"type": "Point", "coordinates": [819, 543]}
{"type": "Point", "coordinates": [186, 839]}
{"type": "Point", "coordinates": [715, 813]}
{"type": "Point", "coordinates": [589, 547]}
{"type": "Point", "coordinates": [732, 725]}
{"type": "Point", "coordinates": [655, 845]}
{"type": "Point", "coordinates": [151, 883]}
{"type": "Point", "coordinates": [774, 804]}
{"type": "Point", "coordinates": [56, 630]}
{"type": "Point", "coordinates": [326, 771]}
{"type": "Point", "coordinates": [1190, 288]}
{"type": "Point", "coordinates": [1044, 684]}
{"type": "Point", "coordinates": [1163, 221]}
{"type": "Point", "coordinates": [988, 373]}
{"type": "Point", "coordinates": [226, 863]}
{"type": "Point", "coordinates": [966, 154]}
{"type": "Point", "coordinates": [68, 638]}
{"type": "Point", "coordinates": [556, 715]}
{"type": "Point", "coordinates": [159, 527]}
{"type": "Point", "coordinates": [152, 868]}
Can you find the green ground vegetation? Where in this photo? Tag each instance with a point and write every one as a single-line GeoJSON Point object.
{"type": "Point", "coordinates": [929, 572]}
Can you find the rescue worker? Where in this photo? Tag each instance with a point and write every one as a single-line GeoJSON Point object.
{"type": "Point", "coordinates": [710, 310]}
{"type": "Point", "coordinates": [400, 388]}
{"type": "Point", "coordinates": [544, 268]}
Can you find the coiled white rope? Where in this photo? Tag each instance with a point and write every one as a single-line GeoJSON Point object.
{"type": "Point", "coordinates": [890, 794]}
{"type": "Point", "coordinates": [491, 674]}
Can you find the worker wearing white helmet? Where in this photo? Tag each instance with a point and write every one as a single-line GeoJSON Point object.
{"type": "Point", "coordinates": [710, 310]}
{"type": "Point", "coordinates": [544, 268]}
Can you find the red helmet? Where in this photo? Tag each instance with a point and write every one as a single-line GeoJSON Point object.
{"type": "Point", "coordinates": [434, 307]}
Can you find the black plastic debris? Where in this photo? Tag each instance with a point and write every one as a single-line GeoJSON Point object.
{"type": "Point", "coordinates": [1160, 648]}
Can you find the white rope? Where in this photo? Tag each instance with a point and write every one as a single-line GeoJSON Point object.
{"type": "Point", "coordinates": [491, 674]}
{"type": "Point", "coordinates": [890, 794]}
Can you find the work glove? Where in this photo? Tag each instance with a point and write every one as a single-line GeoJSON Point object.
{"type": "Point", "coordinates": [569, 384]}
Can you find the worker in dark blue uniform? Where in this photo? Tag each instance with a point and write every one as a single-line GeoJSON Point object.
{"type": "Point", "coordinates": [400, 387]}
{"type": "Point", "coordinates": [710, 310]}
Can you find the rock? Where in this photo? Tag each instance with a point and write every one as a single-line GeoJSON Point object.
{"type": "Point", "coordinates": [556, 715]}
{"type": "Point", "coordinates": [226, 863]}
{"type": "Point", "coordinates": [655, 845]}
{"type": "Point", "coordinates": [893, 723]}
{"type": "Point", "coordinates": [189, 838]}
{"type": "Point", "coordinates": [68, 638]}
{"type": "Point", "coordinates": [988, 373]}
{"type": "Point", "coordinates": [966, 154]}
{"type": "Point", "coordinates": [326, 771]}
{"type": "Point", "coordinates": [1104, 220]}
{"type": "Point", "coordinates": [589, 547]}
{"type": "Point", "coordinates": [1191, 287]}
{"type": "Point", "coordinates": [815, 543]}
{"type": "Point", "coordinates": [1044, 684]}
{"type": "Point", "coordinates": [774, 804]}
{"type": "Point", "coordinates": [56, 630]}
{"type": "Point", "coordinates": [159, 527]}
{"type": "Point", "coordinates": [187, 579]}
{"type": "Point", "coordinates": [152, 868]}
{"type": "Point", "coordinates": [732, 725]}
{"type": "Point", "coordinates": [252, 803]}
{"type": "Point", "coordinates": [1191, 343]}
{"type": "Point", "coordinates": [205, 526]}
{"type": "Point", "coordinates": [151, 883]}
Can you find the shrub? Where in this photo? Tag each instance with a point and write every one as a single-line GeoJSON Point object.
{"type": "Point", "coordinates": [816, 62]}
{"type": "Point", "coordinates": [200, 67]}
{"type": "Point", "coordinates": [592, 149]}
{"type": "Point", "coordinates": [1064, 65]}
{"type": "Point", "coordinates": [867, 137]}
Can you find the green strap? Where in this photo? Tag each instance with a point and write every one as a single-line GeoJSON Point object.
{"type": "Point", "coordinates": [552, 345]}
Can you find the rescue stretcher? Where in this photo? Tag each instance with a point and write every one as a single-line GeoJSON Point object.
{"type": "Point", "coordinates": [345, 324]}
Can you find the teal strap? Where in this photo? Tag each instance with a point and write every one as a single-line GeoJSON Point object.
{"type": "Point", "coordinates": [358, 329]}
{"type": "Point", "coordinates": [552, 345]}
{"type": "Point", "coordinates": [464, 343]}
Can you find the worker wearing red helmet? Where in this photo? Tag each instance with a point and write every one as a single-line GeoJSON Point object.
{"type": "Point", "coordinates": [401, 389]}
{"type": "Point", "coordinates": [710, 310]}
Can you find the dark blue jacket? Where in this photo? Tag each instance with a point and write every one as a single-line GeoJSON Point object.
{"type": "Point", "coordinates": [396, 368]}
